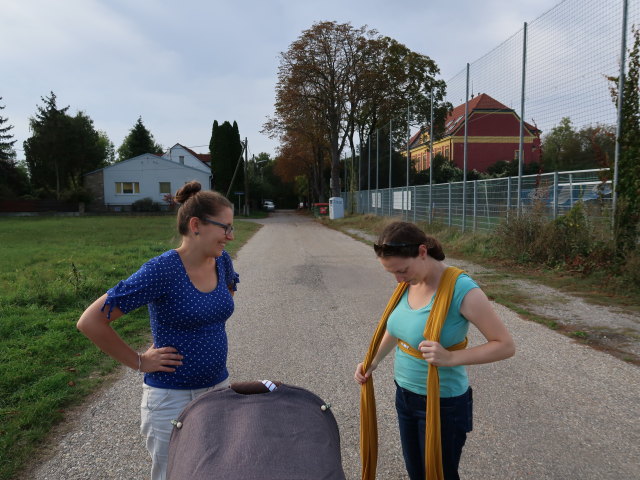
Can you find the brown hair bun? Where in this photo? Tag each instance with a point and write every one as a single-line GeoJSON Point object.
{"type": "Point", "coordinates": [188, 190]}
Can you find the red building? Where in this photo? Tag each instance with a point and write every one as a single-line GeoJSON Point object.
{"type": "Point", "coordinates": [493, 134]}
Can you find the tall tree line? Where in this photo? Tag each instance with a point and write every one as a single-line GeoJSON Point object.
{"type": "Point", "coordinates": [60, 150]}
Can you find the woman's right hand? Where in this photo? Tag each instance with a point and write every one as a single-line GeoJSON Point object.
{"type": "Point", "coordinates": [360, 376]}
{"type": "Point", "coordinates": [160, 359]}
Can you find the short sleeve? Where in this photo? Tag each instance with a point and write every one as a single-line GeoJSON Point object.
{"type": "Point", "coordinates": [231, 276]}
{"type": "Point", "coordinates": [139, 289]}
{"type": "Point", "coordinates": [464, 284]}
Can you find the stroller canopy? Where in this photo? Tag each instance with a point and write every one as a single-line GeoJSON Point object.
{"type": "Point", "coordinates": [283, 434]}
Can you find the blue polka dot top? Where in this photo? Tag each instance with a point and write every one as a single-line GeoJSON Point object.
{"type": "Point", "coordinates": [182, 317]}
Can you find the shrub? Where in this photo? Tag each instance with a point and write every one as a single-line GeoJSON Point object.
{"type": "Point", "coordinates": [76, 195]}
{"type": "Point", "coordinates": [565, 239]}
{"type": "Point", "coordinates": [518, 234]}
{"type": "Point", "coordinates": [145, 205]}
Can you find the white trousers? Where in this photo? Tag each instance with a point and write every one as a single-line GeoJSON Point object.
{"type": "Point", "coordinates": [158, 407]}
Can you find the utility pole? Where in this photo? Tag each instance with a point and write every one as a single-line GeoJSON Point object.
{"type": "Point", "coordinates": [246, 178]}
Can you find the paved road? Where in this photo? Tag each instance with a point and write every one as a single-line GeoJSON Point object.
{"type": "Point", "coordinates": [308, 301]}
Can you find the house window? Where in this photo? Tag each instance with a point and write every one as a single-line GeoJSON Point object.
{"type": "Point", "coordinates": [446, 153]}
{"type": "Point", "coordinates": [127, 188]}
{"type": "Point", "coordinates": [165, 187]}
{"type": "Point", "coordinates": [181, 158]}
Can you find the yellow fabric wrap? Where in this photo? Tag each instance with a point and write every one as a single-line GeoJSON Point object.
{"type": "Point", "coordinates": [368, 421]}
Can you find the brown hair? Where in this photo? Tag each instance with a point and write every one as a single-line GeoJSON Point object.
{"type": "Point", "coordinates": [409, 234]}
{"type": "Point", "coordinates": [195, 202]}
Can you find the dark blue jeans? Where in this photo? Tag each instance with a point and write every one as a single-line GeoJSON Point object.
{"type": "Point", "coordinates": [456, 420]}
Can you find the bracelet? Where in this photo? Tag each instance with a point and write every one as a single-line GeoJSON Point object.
{"type": "Point", "coordinates": [139, 363]}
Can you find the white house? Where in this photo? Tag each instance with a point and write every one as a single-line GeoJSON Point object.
{"type": "Point", "coordinates": [186, 156]}
{"type": "Point", "coordinates": [118, 186]}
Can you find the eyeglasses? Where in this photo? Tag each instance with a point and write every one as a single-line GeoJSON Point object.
{"type": "Point", "coordinates": [392, 249]}
{"type": "Point", "coordinates": [228, 228]}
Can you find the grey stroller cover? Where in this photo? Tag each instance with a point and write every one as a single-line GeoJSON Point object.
{"type": "Point", "coordinates": [283, 434]}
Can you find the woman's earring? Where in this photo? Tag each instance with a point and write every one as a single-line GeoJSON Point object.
{"type": "Point", "coordinates": [196, 233]}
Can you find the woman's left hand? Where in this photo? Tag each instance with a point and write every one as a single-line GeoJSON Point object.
{"type": "Point", "coordinates": [436, 354]}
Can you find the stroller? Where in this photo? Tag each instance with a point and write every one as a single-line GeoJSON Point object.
{"type": "Point", "coordinates": [256, 430]}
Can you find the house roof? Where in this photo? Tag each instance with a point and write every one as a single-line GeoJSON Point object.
{"type": "Point", "coordinates": [155, 157]}
{"type": "Point", "coordinates": [455, 119]}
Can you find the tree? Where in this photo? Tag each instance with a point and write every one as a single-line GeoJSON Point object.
{"type": "Point", "coordinates": [565, 148]}
{"type": "Point", "coordinates": [226, 150]}
{"type": "Point", "coordinates": [107, 146]}
{"type": "Point", "coordinates": [61, 149]}
{"type": "Point", "coordinates": [45, 150]}
{"type": "Point", "coordinates": [336, 81]}
{"type": "Point", "coordinates": [138, 142]}
{"type": "Point", "coordinates": [627, 215]}
{"type": "Point", "coordinates": [87, 150]}
{"type": "Point", "coordinates": [509, 168]}
{"type": "Point", "coordinates": [6, 139]}
{"type": "Point", "coordinates": [14, 180]}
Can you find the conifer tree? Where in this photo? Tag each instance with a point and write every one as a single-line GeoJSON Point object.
{"type": "Point", "coordinates": [138, 142]}
{"type": "Point", "coordinates": [6, 139]}
{"type": "Point", "coordinates": [225, 148]}
{"type": "Point", "coordinates": [13, 178]}
{"type": "Point", "coordinates": [45, 150]}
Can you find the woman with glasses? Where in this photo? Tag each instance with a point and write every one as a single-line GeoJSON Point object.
{"type": "Point", "coordinates": [417, 262]}
{"type": "Point", "coordinates": [189, 294]}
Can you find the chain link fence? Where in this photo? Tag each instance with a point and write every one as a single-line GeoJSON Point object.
{"type": "Point", "coordinates": [488, 202]}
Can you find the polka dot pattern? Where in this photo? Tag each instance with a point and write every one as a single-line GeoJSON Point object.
{"type": "Point", "coordinates": [182, 317]}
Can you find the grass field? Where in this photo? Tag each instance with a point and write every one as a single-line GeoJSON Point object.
{"type": "Point", "coordinates": [51, 268]}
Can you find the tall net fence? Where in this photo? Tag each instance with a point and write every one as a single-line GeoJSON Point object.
{"type": "Point", "coordinates": [571, 50]}
{"type": "Point", "coordinates": [568, 56]}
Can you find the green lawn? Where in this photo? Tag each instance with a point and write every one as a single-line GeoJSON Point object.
{"type": "Point", "coordinates": [51, 268]}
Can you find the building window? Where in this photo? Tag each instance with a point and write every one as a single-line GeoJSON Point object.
{"type": "Point", "coordinates": [127, 188]}
{"type": "Point", "coordinates": [446, 153]}
{"type": "Point", "coordinates": [181, 158]}
{"type": "Point", "coordinates": [165, 187]}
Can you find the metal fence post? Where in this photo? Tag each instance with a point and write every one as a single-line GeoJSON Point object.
{"type": "Point", "coordinates": [464, 168]}
{"type": "Point", "coordinates": [555, 195]}
{"type": "Point", "coordinates": [449, 222]}
{"type": "Point", "coordinates": [508, 197]}
{"type": "Point", "coordinates": [522, 97]}
{"type": "Point", "coordinates": [571, 189]}
{"type": "Point", "coordinates": [475, 205]}
{"type": "Point", "coordinates": [431, 158]}
{"type": "Point", "coordinates": [430, 210]}
{"type": "Point", "coordinates": [621, 80]}
{"type": "Point", "coordinates": [415, 204]}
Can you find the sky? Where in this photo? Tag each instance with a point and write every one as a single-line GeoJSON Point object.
{"type": "Point", "coordinates": [182, 65]}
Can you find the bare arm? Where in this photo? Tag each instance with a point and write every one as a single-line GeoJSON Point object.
{"type": "Point", "coordinates": [387, 344]}
{"type": "Point", "coordinates": [96, 326]}
{"type": "Point", "coordinates": [499, 345]}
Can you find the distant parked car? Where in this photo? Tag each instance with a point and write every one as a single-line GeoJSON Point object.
{"type": "Point", "coordinates": [268, 205]}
